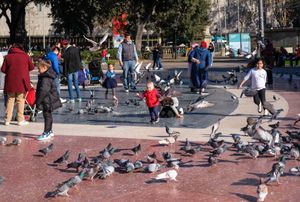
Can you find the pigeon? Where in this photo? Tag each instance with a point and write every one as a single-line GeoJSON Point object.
{"type": "Point", "coordinates": [92, 171]}
{"type": "Point", "coordinates": [276, 125]}
{"type": "Point", "coordinates": [220, 150]}
{"type": "Point", "coordinates": [151, 158]}
{"type": "Point", "coordinates": [136, 149]}
{"type": "Point", "coordinates": [137, 67]}
{"type": "Point", "coordinates": [73, 181]}
{"type": "Point", "coordinates": [252, 151]}
{"type": "Point", "coordinates": [152, 168]}
{"type": "Point", "coordinates": [193, 150]}
{"type": "Point", "coordinates": [173, 162]}
{"type": "Point", "coordinates": [169, 140]}
{"type": "Point", "coordinates": [236, 138]}
{"type": "Point", "coordinates": [96, 46]}
{"type": "Point", "coordinates": [214, 129]}
{"type": "Point", "coordinates": [107, 170]}
{"type": "Point", "coordinates": [86, 163]}
{"type": "Point", "coordinates": [233, 97]}
{"type": "Point", "coordinates": [293, 170]}
{"type": "Point", "coordinates": [215, 143]}
{"type": "Point", "coordinates": [275, 98]}
{"type": "Point", "coordinates": [212, 160]}
{"type": "Point", "coordinates": [2, 179]}
{"type": "Point", "coordinates": [16, 141]}
{"type": "Point", "coordinates": [199, 105]}
{"type": "Point", "coordinates": [92, 94]}
{"type": "Point", "coordinates": [170, 131]}
{"type": "Point", "coordinates": [147, 67]}
{"type": "Point", "coordinates": [3, 140]}
{"type": "Point", "coordinates": [169, 175]}
{"type": "Point", "coordinates": [277, 171]}
{"type": "Point", "coordinates": [63, 158]}
{"type": "Point", "coordinates": [166, 155]}
{"type": "Point", "coordinates": [294, 153]}
{"type": "Point", "coordinates": [104, 109]}
{"type": "Point", "coordinates": [60, 191]}
{"type": "Point", "coordinates": [297, 120]}
{"type": "Point", "coordinates": [47, 150]}
{"type": "Point", "coordinates": [121, 162]}
{"type": "Point", "coordinates": [76, 164]}
{"type": "Point", "coordinates": [293, 134]}
{"type": "Point", "coordinates": [262, 191]}
{"type": "Point", "coordinates": [187, 146]}
{"type": "Point", "coordinates": [138, 165]}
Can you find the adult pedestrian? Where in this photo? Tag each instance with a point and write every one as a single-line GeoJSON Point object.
{"type": "Point", "coordinates": [72, 63]}
{"type": "Point", "coordinates": [211, 49]}
{"type": "Point", "coordinates": [53, 57]}
{"type": "Point", "coordinates": [128, 57]}
{"type": "Point", "coordinates": [201, 58]}
{"type": "Point", "coordinates": [157, 56]}
{"type": "Point", "coordinates": [190, 64]}
{"type": "Point", "coordinates": [16, 67]}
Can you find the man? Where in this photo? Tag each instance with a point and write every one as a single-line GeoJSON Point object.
{"type": "Point", "coordinates": [16, 67]}
{"type": "Point", "coordinates": [201, 57]}
{"type": "Point", "coordinates": [157, 55]}
{"type": "Point", "coordinates": [128, 57]}
{"type": "Point", "coordinates": [53, 57]}
{"type": "Point", "coordinates": [72, 63]}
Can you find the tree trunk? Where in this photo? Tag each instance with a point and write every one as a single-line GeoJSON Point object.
{"type": "Point", "coordinates": [17, 26]}
{"type": "Point", "coordinates": [138, 38]}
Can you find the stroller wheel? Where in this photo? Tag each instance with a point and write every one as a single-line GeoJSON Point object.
{"type": "Point", "coordinates": [33, 118]}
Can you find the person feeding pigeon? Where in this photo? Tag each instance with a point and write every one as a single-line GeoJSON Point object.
{"type": "Point", "coordinates": [47, 98]}
{"type": "Point", "coordinates": [152, 100]}
{"type": "Point", "coordinates": [258, 78]}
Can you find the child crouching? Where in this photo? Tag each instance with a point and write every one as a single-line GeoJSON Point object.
{"type": "Point", "coordinates": [152, 100]}
{"type": "Point", "coordinates": [47, 98]}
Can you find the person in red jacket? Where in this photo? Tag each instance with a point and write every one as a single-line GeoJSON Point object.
{"type": "Point", "coordinates": [16, 67]}
{"type": "Point", "coordinates": [152, 100]}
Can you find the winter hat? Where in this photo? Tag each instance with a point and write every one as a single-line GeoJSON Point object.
{"type": "Point", "coordinates": [203, 44]}
{"type": "Point", "coordinates": [195, 45]}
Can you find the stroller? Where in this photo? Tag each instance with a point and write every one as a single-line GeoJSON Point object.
{"type": "Point", "coordinates": [30, 110]}
{"type": "Point", "coordinates": [96, 71]}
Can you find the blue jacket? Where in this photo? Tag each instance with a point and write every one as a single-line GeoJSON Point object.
{"type": "Point", "coordinates": [54, 61]}
{"type": "Point", "coordinates": [110, 74]}
{"type": "Point", "coordinates": [203, 55]}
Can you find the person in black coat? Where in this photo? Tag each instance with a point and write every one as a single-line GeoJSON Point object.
{"type": "Point", "coordinates": [47, 98]}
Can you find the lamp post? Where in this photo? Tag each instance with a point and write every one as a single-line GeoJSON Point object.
{"type": "Point", "coordinates": [261, 26]}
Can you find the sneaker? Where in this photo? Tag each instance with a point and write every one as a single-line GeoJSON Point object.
{"type": "Point", "coordinates": [51, 134]}
{"type": "Point", "coordinates": [71, 101]}
{"type": "Point", "coordinates": [156, 121]}
{"type": "Point", "coordinates": [126, 91]}
{"type": "Point", "coordinates": [266, 112]}
{"type": "Point", "coordinates": [23, 123]}
{"type": "Point", "coordinates": [63, 100]}
{"type": "Point", "coordinates": [259, 108]}
{"type": "Point", "coordinates": [79, 100]}
{"type": "Point", "coordinates": [44, 136]}
{"type": "Point", "coordinates": [6, 123]}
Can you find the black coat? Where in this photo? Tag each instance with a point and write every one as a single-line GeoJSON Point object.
{"type": "Point", "coordinates": [72, 60]}
{"type": "Point", "coordinates": [46, 94]}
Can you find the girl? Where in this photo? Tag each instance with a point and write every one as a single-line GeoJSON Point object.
{"type": "Point", "coordinates": [110, 81]}
{"type": "Point", "coordinates": [258, 83]}
{"type": "Point", "coordinates": [47, 98]}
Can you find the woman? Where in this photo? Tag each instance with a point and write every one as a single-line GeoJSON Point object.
{"type": "Point", "coordinates": [16, 67]}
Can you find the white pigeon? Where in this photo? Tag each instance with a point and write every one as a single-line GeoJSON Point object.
{"type": "Point", "coordinates": [148, 66]}
{"type": "Point", "coordinates": [3, 140]}
{"type": "Point", "coordinates": [199, 105]}
{"type": "Point", "coordinates": [169, 175]}
{"type": "Point", "coordinates": [137, 67]}
{"type": "Point", "coordinates": [168, 140]}
{"type": "Point", "coordinates": [96, 46]}
{"type": "Point", "coordinates": [215, 128]}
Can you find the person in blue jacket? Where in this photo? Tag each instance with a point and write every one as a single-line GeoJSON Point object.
{"type": "Point", "coordinates": [52, 56]}
{"type": "Point", "coordinates": [201, 59]}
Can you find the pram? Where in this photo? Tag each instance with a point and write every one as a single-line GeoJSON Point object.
{"type": "Point", "coordinates": [95, 71]}
{"type": "Point", "coordinates": [30, 110]}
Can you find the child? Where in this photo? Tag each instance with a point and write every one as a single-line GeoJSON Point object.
{"type": "Point", "coordinates": [258, 83]}
{"type": "Point", "coordinates": [152, 100]}
{"type": "Point", "coordinates": [103, 55]}
{"type": "Point", "coordinates": [47, 98]}
{"type": "Point", "coordinates": [110, 81]}
{"type": "Point", "coordinates": [83, 76]}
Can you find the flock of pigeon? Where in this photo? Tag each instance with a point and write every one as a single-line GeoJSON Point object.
{"type": "Point", "coordinates": [271, 143]}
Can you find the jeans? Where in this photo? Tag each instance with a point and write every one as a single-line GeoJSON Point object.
{"type": "Point", "coordinates": [48, 120]}
{"type": "Point", "coordinates": [199, 77]}
{"type": "Point", "coordinates": [157, 62]}
{"type": "Point", "coordinates": [56, 80]}
{"type": "Point", "coordinates": [73, 79]}
{"type": "Point", "coordinates": [153, 113]}
{"type": "Point", "coordinates": [260, 97]}
{"type": "Point", "coordinates": [129, 74]}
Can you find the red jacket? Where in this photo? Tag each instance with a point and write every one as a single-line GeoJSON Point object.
{"type": "Point", "coordinates": [151, 97]}
{"type": "Point", "coordinates": [16, 67]}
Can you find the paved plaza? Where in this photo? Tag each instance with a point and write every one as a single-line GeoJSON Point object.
{"type": "Point", "coordinates": [29, 176]}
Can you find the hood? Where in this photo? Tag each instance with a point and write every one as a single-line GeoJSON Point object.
{"type": "Point", "coordinates": [15, 50]}
{"type": "Point", "coordinates": [202, 49]}
{"type": "Point", "coordinates": [50, 73]}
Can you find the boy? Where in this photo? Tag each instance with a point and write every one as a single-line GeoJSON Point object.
{"type": "Point", "coordinates": [47, 98]}
{"type": "Point", "coordinates": [152, 100]}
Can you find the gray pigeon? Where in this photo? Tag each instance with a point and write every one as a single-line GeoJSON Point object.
{"type": "Point", "coordinates": [46, 150]}
{"type": "Point", "coordinates": [277, 171]}
{"type": "Point", "coordinates": [138, 165]}
{"type": "Point", "coordinates": [16, 141]}
{"type": "Point", "coordinates": [153, 167]}
{"type": "Point", "coordinates": [107, 170]}
{"type": "Point", "coordinates": [129, 167]}
{"type": "Point", "coordinates": [170, 131]}
{"type": "Point", "coordinates": [2, 179]}
{"type": "Point", "coordinates": [214, 129]}
{"type": "Point", "coordinates": [63, 158]}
